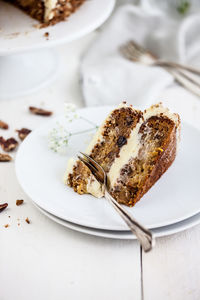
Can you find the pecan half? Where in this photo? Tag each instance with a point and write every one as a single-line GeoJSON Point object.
{"type": "Point", "coordinates": [9, 144]}
{"type": "Point", "coordinates": [5, 157]}
{"type": "Point", "coordinates": [3, 206]}
{"type": "Point", "coordinates": [40, 111]}
{"type": "Point", "coordinates": [19, 202]}
{"type": "Point", "coordinates": [22, 133]}
{"type": "Point", "coordinates": [3, 125]}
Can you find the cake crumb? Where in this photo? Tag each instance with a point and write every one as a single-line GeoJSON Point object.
{"type": "Point", "coordinates": [19, 202]}
{"type": "Point", "coordinates": [27, 220]}
{"type": "Point", "coordinates": [46, 35]}
{"type": "Point", "coordinates": [6, 226]}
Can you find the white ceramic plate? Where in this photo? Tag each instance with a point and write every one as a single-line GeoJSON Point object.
{"type": "Point", "coordinates": [18, 32]}
{"type": "Point", "coordinates": [172, 199]}
{"type": "Point", "coordinates": [126, 235]}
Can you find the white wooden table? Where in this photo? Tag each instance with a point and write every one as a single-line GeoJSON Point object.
{"type": "Point", "coordinates": [44, 260]}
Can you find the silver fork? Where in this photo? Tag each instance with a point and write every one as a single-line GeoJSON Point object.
{"type": "Point", "coordinates": [144, 235]}
{"type": "Point", "coordinates": [136, 53]}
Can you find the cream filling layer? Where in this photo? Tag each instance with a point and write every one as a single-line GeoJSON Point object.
{"type": "Point", "coordinates": [94, 187]}
{"type": "Point", "coordinates": [130, 150]}
{"type": "Point", "coordinates": [49, 6]}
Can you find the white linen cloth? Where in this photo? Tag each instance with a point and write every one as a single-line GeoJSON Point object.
{"type": "Point", "coordinates": [108, 78]}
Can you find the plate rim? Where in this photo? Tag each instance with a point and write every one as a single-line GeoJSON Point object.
{"type": "Point", "coordinates": [77, 221]}
{"type": "Point", "coordinates": [125, 235]}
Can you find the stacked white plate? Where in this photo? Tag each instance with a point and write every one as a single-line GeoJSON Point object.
{"type": "Point", "coordinates": [172, 204]}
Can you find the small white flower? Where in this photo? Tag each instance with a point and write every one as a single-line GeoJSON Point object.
{"type": "Point", "coordinates": [70, 111]}
{"type": "Point", "coordinates": [69, 107]}
{"type": "Point", "coordinates": [58, 139]}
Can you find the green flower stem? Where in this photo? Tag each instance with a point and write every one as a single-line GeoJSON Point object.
{"type": "Point", "coordinates": [88, 121]}
{"type": "Point", "coordinates": [83, 131]}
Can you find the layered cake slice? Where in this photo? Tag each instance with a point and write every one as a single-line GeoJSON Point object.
{"type": "Point", "coordinates": [135, 148]}
{"type": "Point", "coordinates": [48, 12]}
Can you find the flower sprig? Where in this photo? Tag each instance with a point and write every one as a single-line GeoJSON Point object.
{"type": "Point", "coordinates": [59, 137]}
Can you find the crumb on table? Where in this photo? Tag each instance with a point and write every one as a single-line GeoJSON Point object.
{"type": "Point", "coordinates": [27, 220]}
{"type": "Point", "coordinates": [19, 202]}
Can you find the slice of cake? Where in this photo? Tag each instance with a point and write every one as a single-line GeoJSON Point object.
{"type": "Point", "coordinates": [134, 148]}
{"type": "Point", "coordinates": [48, 12]}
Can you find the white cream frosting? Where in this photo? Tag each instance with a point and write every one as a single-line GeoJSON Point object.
{"type": "Point", "coordinates": [97, 138]}
{"type": "Point", "coordinates": [130, 150]}
{"type": "Point", "coordinates": [70, 165]}
{"type": "Point", "coordinates": [159, 109]}
{"type": "Point", "coordinates": [49, 6]}
{"type": "Point", "coordinates": [94, 187]}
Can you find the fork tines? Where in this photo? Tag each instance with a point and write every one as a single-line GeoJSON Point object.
{"type": "Point", "coordinates": [92, 165]}
{"type": "Point", "coordinates": [134, 52]}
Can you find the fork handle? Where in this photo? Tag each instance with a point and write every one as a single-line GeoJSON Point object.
{"type": "Point", "coordinates": [177, 66]}
{"type": "Point", "coordinates": [184, 81]}
{"type": "Point", "coordinates": [143, 235]}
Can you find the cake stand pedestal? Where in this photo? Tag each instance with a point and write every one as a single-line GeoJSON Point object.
{"type": "Point", "coordinates": [26, 61]}
{"type": "Point", "coordinates": [21, 74]}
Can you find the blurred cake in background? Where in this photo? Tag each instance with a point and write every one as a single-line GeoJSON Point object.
{"type": "Point", "coordinates": [48, 12]}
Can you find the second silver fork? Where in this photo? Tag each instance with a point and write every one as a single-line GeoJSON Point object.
{"type": "Point", "coordinates": [143, 235]}
{"type": "Point", "coordinates": [183, 74]}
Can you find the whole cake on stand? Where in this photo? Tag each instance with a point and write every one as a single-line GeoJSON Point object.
{"type": "Point", "coordinates": [48, 12]}
{"type": "Point", "coordinates": [27, 70]}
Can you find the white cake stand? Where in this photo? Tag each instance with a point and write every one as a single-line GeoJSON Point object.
{"type": "Point", "coordinates": [26, 61]}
